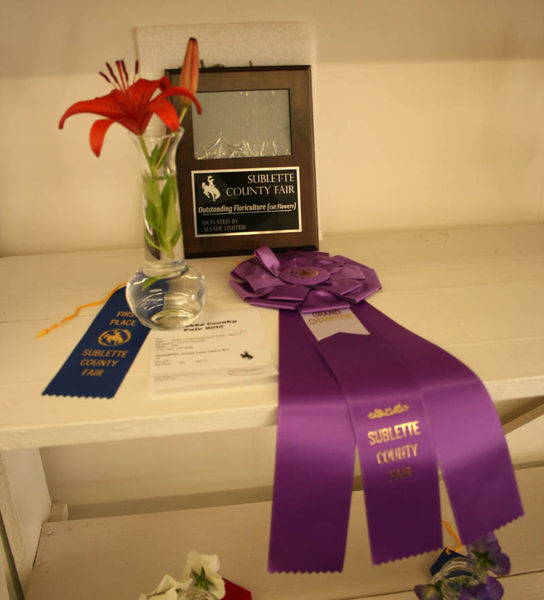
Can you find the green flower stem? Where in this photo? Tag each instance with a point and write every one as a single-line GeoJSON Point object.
{"type": "Point", "coordinates": [182, 112]}
{"type": "Point", "coordinates": [160, 205]}
{"type": "Point", "coordinates": [143, 148]}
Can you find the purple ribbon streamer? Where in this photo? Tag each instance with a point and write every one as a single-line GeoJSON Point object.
{"type": "Point", "coordinates": [314, 459]}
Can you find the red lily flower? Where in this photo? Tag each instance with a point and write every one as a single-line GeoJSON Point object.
{"type": "Point", "coordinates": [130, 105]}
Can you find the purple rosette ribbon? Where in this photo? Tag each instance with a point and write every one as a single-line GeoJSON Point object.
{"type": "Point", "coordinates": [303, 281]}
{"type": "Point", "coordinates": [400, 400]}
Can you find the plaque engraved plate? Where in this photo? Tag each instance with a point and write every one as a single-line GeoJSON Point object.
{"type": "Point", "coordinates": [246, 201]}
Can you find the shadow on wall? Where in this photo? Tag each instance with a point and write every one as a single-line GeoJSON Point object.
{"type": "Point", "coordinates": [366, 30]}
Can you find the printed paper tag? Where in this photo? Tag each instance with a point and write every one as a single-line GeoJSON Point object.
{"type": "Point", "coordinates": [222, 347]}
{"type": "Point", "coordinates": [328, 322]}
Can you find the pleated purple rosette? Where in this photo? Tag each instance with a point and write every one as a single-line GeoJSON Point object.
{"type": "Point", "coordinates": [303, 281]}
{"type": "Point", "coordinates": [400, 400]}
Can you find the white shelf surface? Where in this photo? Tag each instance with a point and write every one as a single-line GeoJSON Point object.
{"type": "Point", "coordinates": [476, 292]}
{"type": "Point", "coordinates": [116, 558]}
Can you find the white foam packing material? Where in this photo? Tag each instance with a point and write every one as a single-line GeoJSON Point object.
{"type": "Point", "coordinates": [227, 44]}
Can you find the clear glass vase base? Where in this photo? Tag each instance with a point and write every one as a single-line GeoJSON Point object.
{"type": "Point", "coordinates": [456, 574]}
{"type": "Point", "coordinates": [167, 301]}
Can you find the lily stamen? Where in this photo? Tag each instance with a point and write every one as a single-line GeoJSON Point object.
{"type": "Point", "coordinates": [105, 77]}
{"type": "Point", "coordinates": [123, 75]}
{"type": "Point", "coordinates": [120, 72]}
{"type": "Point", "coordinates": [114, 77]}
{"type": "Point", "coordinates": [125, 72]}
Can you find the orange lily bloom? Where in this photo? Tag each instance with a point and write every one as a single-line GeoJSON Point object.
{"type": "Point", "coordinates": [130, 104]}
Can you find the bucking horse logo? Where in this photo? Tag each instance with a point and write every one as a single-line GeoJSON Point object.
{"type": "Point", "coordinates": [114, 337]}
{"type": "Point", "coordinates": [209, 189]}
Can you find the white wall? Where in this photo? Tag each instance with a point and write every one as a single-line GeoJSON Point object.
{"type": "Point", "coordinates": [429, 113]}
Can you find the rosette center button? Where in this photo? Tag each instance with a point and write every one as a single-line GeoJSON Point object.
{"type": "Point", "coordinates": [304, 275]}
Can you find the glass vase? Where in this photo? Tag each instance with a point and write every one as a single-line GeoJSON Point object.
{"type": "Point", "coordinates": [166, 293]}
{"type": "Point", "coordinates": [458, 573]}
{"type": "Point", "coordinates": [196, 594]}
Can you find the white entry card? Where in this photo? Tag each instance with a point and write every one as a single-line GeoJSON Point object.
{"type": "Point", "coordinates": [223, 347]}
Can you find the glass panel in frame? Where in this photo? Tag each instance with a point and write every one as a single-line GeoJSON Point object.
{"type": "Point", "coordinates": [242, 124]}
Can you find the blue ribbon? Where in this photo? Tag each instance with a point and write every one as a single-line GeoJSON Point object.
{"type": "Point", "coordinates": [98, 364]}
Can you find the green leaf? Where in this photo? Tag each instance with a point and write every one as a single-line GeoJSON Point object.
{"type": "Point", "coordinates": [172, 221]}
{"type": "Point", "coordinates": [150, 282]}
{"type": "Point", "coordinates": [175, 237]}
{"type": "Point", "coordinates": [155, 220]}
{"type": "Point", "coordinates": [150, 241]}
{"type": "Point", "coordinates": [151, 190]}
{"type": "Point", "coordinates": [169, 192]}
{"type": "Point", "coordinates": [151, 215]}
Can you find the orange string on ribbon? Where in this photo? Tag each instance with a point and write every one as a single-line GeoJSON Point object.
{"type": "Point", "coordinates": [454, 535]}
{"type": "Point", "coordinates": [79, 308]}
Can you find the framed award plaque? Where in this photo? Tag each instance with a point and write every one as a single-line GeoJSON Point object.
{"type": "Point", "coordinates": [246, 170]}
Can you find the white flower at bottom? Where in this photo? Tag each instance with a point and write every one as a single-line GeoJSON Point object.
{"type": "Point", "coordinates": [166, 590]}
{"type": "Point", "coordinates": [194, 565]}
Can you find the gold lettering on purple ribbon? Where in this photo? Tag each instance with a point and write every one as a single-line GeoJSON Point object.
{"type": "Point", "coordinates": [400, 473]}
{"type": "Point", "coordinates": [396, 432]}
{"type": "Point", "coordinates": [395, 454]}
{"type": "Point", "coordinates": [378, 413]}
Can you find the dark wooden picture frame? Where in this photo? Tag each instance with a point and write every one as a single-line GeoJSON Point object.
{"type": "Point", "coordinates": [285, 216]}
